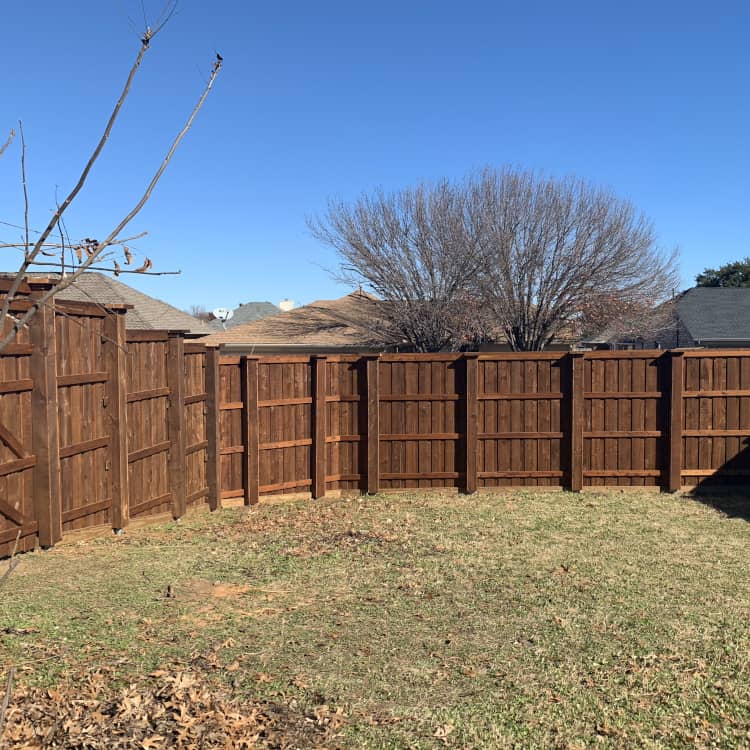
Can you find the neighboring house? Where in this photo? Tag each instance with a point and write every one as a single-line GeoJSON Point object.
{"type": "Point", "coordinates": [146, 313]}
{"type": "Point", "coordinates": [245, 313]}
{"type": "Point", "coordinates": [710, 317]}
{"type": "Point", "coordinates": [348, 324]}
{"type": "Point", "coordinates": [330, 326]}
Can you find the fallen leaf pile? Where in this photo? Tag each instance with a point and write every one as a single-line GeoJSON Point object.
{"type": "Point", "coordinates": [163, 711]}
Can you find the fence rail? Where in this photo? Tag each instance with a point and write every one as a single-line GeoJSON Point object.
{"type": "Point", "coordinates": [99, 425]}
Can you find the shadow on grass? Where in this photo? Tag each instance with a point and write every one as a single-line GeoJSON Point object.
{"type": "Point", "coordinates": [728, 488]}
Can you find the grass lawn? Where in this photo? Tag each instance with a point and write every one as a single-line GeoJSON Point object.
{"type": "Point", "coordinates": [396, 621]}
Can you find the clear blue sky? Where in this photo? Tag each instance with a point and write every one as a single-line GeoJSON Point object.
{"type": "Point", "coordinates": [332, 98]}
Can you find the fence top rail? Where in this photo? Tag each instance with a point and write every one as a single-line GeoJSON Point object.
{"type": "Point", "coordinates": [510, 356]}
{"type": "Point", "coordinates": [625, 353]}
{"type": "Point", "coordinates": [391, 357]}
{"type": "Point", "coordinates": [715, 353]}
{"type": "Point", "coordinates": [137, 335]}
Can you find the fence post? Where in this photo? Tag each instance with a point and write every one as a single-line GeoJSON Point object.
{"type": "Point", "coordinates": [117, 406]}
{"type": "Point", "coordinates": [373, 426]}
{"type": "Point", "coordinates": [675, 422]}
{"type": "Point", "coordinates": [250, 434]}
{"type": "Point", "coordinates": [472, 418]}
{"type": "Point", "coordinates": [176, 384]}
{"type": "Point", "coordinates": [213, 453]}
{"type": "Point", "coordinates": [45, 443]}
{"type": "Point", "coordinates": [576, 421]}
{"type": "Point", "coordinates": [319, 426]}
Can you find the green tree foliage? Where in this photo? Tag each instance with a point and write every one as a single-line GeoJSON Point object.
{"type": "Point", "coordinates": [736, 274]}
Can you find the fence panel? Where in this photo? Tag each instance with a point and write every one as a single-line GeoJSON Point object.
{"type": "Point", "coordinates": [231, 446]}
{"type": "Point", "coordinates": [522, 420]}
{"type": "Point", "coordinates": [148, 402]}
{"type": "Point", "coordinates": [420, 415]}
{"type": "Point", "coordinates": [285, 425]}
{"type": "Point", "coordinates": [196, 437]}
{"type": "Point", "coordinates": [626, 418]}
{"type": "Point", "coordinates": [716, 418]}
{"type": "Point", "coordinates": [346, 420]}
{"type": "Point", "coordinates": [83, 417]}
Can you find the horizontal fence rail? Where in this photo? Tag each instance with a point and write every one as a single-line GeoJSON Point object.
{"type": "Point", "coordinates": [100, 426]}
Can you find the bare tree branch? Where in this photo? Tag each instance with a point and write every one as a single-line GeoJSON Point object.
{"type": "Point", "coordinates": [144, 198]}
{"type": "Point", "coordinates": [7, 143]}
{"type": "Point", "coordinates": [31, 256]}
{"type": "Point", "coordinates": [25, 189]}
{"type": "Point", "coordinates": [94, 250]}
{"type": "Point", "coordinates": [6, 699]}
{"type": "Point", "coordinates": [105, 269]}
{"type": "Point", "coordinates": [12, 563]}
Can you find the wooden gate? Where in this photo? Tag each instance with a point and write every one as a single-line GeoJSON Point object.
{"type": "Point", "coordinates": [87, 413]}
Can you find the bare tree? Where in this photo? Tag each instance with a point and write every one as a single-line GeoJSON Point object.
{"type": "Point", "coordinates": [563, 257]}
{"type": "Point", "coordinates": [503, 255]}
{"type": "Point", "coordinates": [71, 259]}
{"type": "Point", "coordinates": [418, 251]}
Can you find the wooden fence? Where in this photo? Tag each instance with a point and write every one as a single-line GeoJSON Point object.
{"type": "Point", "coordinates": [99, 425]}
{"type": "Point", "coordinates": [468, 421]}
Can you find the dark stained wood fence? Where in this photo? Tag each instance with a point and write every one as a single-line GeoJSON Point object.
{"type": "Point", "coordinates": [473, 421]}
{"type": "Point", "coordinates": [100, 426]}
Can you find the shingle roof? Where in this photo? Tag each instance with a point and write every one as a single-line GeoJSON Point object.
{"type": "Point", "coordinates": [716, 313]}
{"type": "Point", "coordinates": [325, 323]}
{"type": "Point", "coordinates": [246, 313]}
{"type": "Point", "coordinates": [147, 313]}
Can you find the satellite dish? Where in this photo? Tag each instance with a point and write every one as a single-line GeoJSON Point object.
{"type": "Point", "coordinates": [222, 314]}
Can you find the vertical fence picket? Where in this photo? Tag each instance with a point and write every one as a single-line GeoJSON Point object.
{"type": "Point", "coordinates": [576, 420]}
{"type": "Point", "coordinates": [471, 426]}
{"type": "Point", "coordinates": [250, 435]}
{"type": "Point", "coordinates": [213, 394]}
{"type": "Point", "coordinates": [373, 426]}
{"type": "Point", "coordinates": [47, 499]}
{"type": "Point", "coordinates": [675, 422]}
{"type": "Point", "coordinates": [177, 462]}
{"type": "Point", "coordinates": [115, 347]}
{"type": "Point", "coordinates": [319, 426]}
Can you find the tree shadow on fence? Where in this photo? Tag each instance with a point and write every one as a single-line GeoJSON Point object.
{"type": "Point", "coordinates": [728, 488]}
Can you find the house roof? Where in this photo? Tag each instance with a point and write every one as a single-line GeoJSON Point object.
{"type": "Point", "coordinates": [245, 313]}
{"type": "Point", "coordinates": [321, 324]}
{"type": "Point", "coordinates": [715, 313]}
{"type": "Point", "coordinates": [146, 313]}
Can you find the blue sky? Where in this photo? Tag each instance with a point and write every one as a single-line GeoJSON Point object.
{"type": "Point", "coordinates": [330, 99]}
